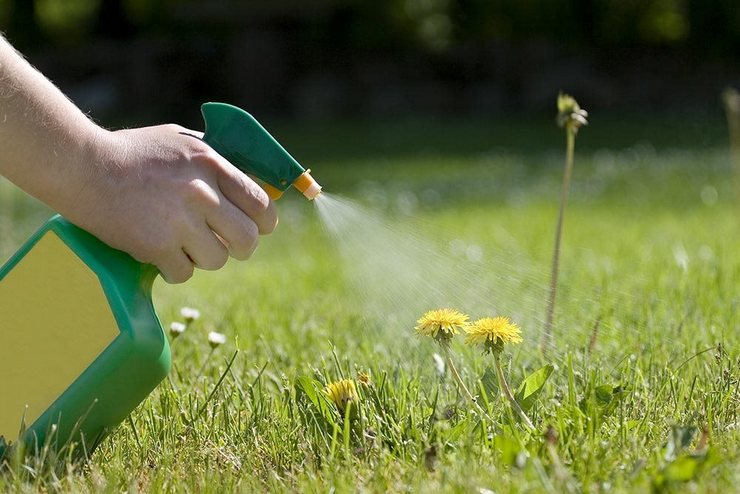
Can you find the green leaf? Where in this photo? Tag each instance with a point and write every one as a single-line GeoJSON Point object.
{"type": "Point", "coordinates": [605, 397]}
{"type": "Point", "coordinates": [311, 389]}
{"type": "Point", "coordinates": [532, 386]}
{"type": "Point", "coordinates": [508, 448]}
{"type": "Point", "coordinates": [489, 381]}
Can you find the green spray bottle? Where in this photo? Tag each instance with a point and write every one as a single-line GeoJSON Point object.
{"type": "Point", "coordinates": [80, 342]}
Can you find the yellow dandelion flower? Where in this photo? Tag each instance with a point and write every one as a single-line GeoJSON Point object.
{"type": "Point", "coordinates": [342, 393]}
{"type": "Point", "coordinates": [493, 333]}
{"type": "Point", "coordinates": [441, 324]}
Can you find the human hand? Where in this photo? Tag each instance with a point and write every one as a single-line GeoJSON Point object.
{"type": "Point", "coordinates": [165, 197]}
{"type": "Point", "coordinates": [159, 193]}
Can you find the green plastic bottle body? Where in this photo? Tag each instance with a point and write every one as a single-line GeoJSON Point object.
{"type": "Point", "coordinates": [126, 371]}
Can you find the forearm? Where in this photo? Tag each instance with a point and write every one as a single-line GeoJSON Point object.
{"type": "Point", "coordinates": [159, 193]}
{"type": "Point", "coordinates": [44, 138]}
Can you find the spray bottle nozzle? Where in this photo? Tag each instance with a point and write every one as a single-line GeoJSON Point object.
{"type": "Point", "coordinates": [239, 138]}
{"type": "Point", "coordinates": [307, 185]}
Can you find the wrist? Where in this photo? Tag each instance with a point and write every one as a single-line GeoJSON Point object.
{"type": "Point", "coordinates": [79, 177]}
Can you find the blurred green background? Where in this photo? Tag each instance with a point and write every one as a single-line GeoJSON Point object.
{"type": "Point", "coordinates": [128, 61]}
{"type": "Point", "coordinates": [377, 90]}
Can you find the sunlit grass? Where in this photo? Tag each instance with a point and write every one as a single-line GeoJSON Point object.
{"type": "Point", "coordinates": [647, 358]}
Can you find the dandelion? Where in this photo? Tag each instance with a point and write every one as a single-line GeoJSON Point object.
{"type": "Point", "coordinates": [176, 329]}
{"type": "Point", "coordinates": [189, 314]}
{"type": "Point", "coordinates": [570, 113]}
{"type": "Point", "coordinates": [493, 333]}
{"type": "Point", "coordinates": [441, 324]}
{"type": "Point", "coordinates": [216, 339]}
{"type": "Point", "coordinates": [731, 100]}
{"type": "Point", "coordinates": [572, 117]}
{"type": "Point", "coordinates": [342, 393]}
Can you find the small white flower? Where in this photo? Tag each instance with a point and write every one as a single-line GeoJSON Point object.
{"type": "Point", "coordinates": [190, 314]}
{"type": "Point", "coordinates": [216, 339]}
{"type": "Point", "coordinates": [176, 329]}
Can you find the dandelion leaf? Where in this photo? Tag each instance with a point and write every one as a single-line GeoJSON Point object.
{"type": "Point", "coordinates": [508, 448]}
{"type": "Point", "coordinates": [532, 386]}
{"type": "Point", "coordinates": [602, 400]}
{"type": "Point", "coordinates": [310, 389]}
{"type": "Point", "coordinates": [489, 383]}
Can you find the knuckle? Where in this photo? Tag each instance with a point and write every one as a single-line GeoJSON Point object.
{"type": "Point", "coordinates": [263, 211]}
{"type": "Point", "coordinates": [270, 220]}
{"type": "Point", "coordinates": [173, 127]}
{"type": "Point", "coordinates": [260, 197]}
{"type": "Point", "coordinates": [201, 192]}
{"type": "Point", "coordinates": [207, 156]}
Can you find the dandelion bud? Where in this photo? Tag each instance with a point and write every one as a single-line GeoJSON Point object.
{"type": "Point", "coordinates": [570, 114]}
{"type": "Point", "coordinates": [342, 393]}
{"type": "Point", "coordinates": [216, 339]}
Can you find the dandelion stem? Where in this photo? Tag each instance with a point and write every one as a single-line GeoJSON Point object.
{"type": "Point", "coordinates": [461, 384]}
{"type": "Point", "coordinates": [507, 391]}
{"type": "Point", "coordinates": [570, 147]}
{"type": "Point", "coordinates": [732, 110]}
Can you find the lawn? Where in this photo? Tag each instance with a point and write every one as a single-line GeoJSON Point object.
{"type": "Point", "coordinates": [645, 386]}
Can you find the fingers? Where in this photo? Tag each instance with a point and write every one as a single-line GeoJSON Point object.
{"type": "Point", "coordinates": [205, 249]}
{"type": "Point", "coordinates": [219, 229]}
{"type": "Point", "coordinates": [227, 210]}
{"type": "Point", "coordinates": [242, 191]}
{"type": "Point", "coordinates": [249, 197]}
{"type": "Point", "coordinates": [238, 230]}
{"type": "Point", "coordinates": [176, 267]}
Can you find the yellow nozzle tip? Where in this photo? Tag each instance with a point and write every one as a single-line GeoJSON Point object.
{"type": "Point", "coordinates": [307, 185]}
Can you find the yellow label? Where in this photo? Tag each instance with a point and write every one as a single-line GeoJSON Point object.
{"type": "Point", "coordinates": [54, 322]}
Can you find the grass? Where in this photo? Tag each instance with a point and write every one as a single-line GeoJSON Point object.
{"type": "Point", "coordinates": [644, 394]}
